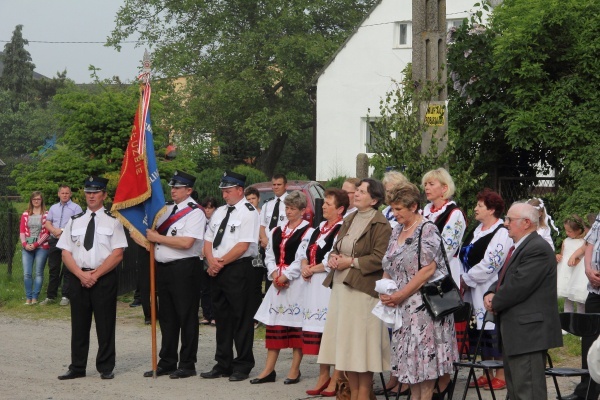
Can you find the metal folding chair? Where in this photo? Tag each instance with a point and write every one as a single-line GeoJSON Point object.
{"type": "Point", "coordinates": [472, 363]}
{"type": "Point", "coordinates": [582, 325]}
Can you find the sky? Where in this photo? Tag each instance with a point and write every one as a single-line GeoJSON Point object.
{"type": "Point", "coordinates": [70, 21]}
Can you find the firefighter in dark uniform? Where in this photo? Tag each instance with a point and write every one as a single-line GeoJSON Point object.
{"type": "Point", "coordinates": [178, 243]}
{"type": "Point", "coordinates": [230, 244]}
{"type": "Point", "coordinates": [92, 246]}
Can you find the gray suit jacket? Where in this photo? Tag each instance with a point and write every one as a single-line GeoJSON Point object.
{"type": "Point", "coordinates": [526, 302]}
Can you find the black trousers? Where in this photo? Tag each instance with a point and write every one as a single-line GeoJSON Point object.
{"type": "Point", "coordinates": [592, 305]}
{"type": "Point", "coordinates": [100, 301]}
{"type": "Point", "coordinates": [143, 279]}
{"type": "Point", "coordinates": [233, 299]}
{"type": "Point", "coordinates": [205, 296]}
{"type": "Point", "coordinates": [178, 287]}
{"type": "Point", "coordinates": [55, 273]}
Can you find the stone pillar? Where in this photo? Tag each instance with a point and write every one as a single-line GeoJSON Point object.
{"type": "Point", "coordinates": [362, 166]}
{"type": "Point", "coordinates": [429, 64]}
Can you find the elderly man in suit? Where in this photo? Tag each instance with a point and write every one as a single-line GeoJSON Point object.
{"type": "Point", "coordinates": [525, 304]}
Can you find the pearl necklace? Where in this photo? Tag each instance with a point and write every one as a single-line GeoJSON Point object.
{"type": "Point", "coordinates": [410, 227]}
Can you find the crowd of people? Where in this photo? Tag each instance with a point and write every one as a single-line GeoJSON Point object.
{"type": "Point", "coordinates": [320, 283]}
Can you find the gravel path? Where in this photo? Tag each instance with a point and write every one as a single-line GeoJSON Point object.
{"type": "Point", "coordinates": [34, 352]}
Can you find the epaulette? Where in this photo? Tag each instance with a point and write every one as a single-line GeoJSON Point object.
{"type": "Point", "coordinates": [192, 205]}
{"type": "Point", "coordinates": [107, 212]}
{"type": "Point", "coordinates": [272, 198]}
{"type": "Point", "coordinates": [78, 215]}
{"type": "Point", "coordinates": [169, 203]}
{"type": "Point", "coordinates": [250, 206]}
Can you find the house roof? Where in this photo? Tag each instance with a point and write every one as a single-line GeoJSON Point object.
{"type": "Point", "coordinates": [313, 82]}
{"type": "Point", "coordinates": [35, 74]}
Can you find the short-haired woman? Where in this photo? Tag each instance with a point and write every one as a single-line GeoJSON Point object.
{"type": "Point", "coordinates": [482, 257]}
{"type": "Point", "coordinates": [423, 349]}
{"type": "Point", "coordinates": [355, 340]}
{"type": "Point", "coordinates": [281, 308]}
{"type": "Point", "coordinates": [316, 296]}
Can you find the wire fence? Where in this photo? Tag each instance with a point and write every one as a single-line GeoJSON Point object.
{"type": "Point", "coordinates": [523, 188]}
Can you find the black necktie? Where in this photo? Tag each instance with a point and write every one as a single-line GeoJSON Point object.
{"type": "Point", "coordinates": [88, 241]}
{"type": "Point", "coordinates": [173, 211]}
{"type": "Point", "coordinates": [275, 216]}
{"type": "Point", "coordinates": [221, 231]}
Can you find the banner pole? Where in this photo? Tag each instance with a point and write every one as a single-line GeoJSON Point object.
{"type": "Point", "coordinates": [153, 308]}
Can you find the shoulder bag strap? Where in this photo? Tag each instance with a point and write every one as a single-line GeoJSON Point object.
{"type": "Point", "coordinates": [442, 247]}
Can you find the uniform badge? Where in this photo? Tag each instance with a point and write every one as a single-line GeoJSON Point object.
{"type": "Point", "coordinates": [220, 231]}
{"type": "Point", "coordinates": [281, 218]}
{"type": "Point", "coordinates": [232, 229]}
{"type": "Point", "coordinates": [274, 218]}
{"type": "Point", "coordinates": [78, 243]}
{"type": "Point", "coordinates": [174, 232]}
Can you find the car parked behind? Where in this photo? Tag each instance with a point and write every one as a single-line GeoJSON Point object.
{"type": "Point", "coordinates": [311, 189]}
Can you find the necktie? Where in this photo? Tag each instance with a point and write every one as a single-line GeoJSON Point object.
{"type": "Point", "coordinates": [88, 241]}
{"type": "Point", "coordinates": [275, 216]}
{"type": "Point", "coordinates": [174, 210]}
{"type": "Point", "coordinates": [221, 231]}
{"type": "Point", "coordinates": [503, 271]}
{"type": "Point", "coordinates": [62, 210]}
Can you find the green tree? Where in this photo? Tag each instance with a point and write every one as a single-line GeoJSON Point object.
{"type": "Point", "coordinates": [248, 64]}
{"type": "Point", "coordinates": [527, 93]}
{"type": "Point", "coordinates": [17, 76]}
{"type": "Point", "coordinates": [97, 121]}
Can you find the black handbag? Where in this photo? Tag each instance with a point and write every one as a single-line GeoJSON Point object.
{"type": "Point", "coordinates": [440, 297]}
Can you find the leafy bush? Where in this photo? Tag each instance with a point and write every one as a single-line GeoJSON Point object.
{"type": "Point", "coordinates": [336, 182]}
{"type": "Point", "coordinates": [207, 181]}
{"type": "Point", "coordinates": [295, 176]}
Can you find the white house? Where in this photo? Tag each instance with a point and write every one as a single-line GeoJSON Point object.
{"type": "Point", "coordinates": [359, 75]}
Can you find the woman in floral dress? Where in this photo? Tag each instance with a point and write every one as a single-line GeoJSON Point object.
{"type": "Point", "coordinates": [423, 349]}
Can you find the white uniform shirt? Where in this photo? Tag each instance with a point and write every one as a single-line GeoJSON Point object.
{"type": "Point", "coordinates": [267, 212]}
{"type": "Point", "coordinates": [190, 225]}
{"type": "Point", "coordinates": [108, 236]}
{"type": "Point", "coordinates": [242, 226]}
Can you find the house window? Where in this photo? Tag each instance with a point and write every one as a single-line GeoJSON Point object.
{"type": "Point", "coordinates": [456, 23]}
{"type": "Point", "coordinates": [371, 136]}
{"type": "Point", "coordinates": [403, 34]}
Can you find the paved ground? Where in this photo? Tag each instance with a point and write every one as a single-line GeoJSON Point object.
{"type": "Point", "coordinates": [34, 352]}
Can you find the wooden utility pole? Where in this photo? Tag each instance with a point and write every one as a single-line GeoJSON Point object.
{"type": "Point", "coordinates": [429, 65]}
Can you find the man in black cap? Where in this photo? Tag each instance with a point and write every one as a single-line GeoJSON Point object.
{"type": "Point", "coordinates": [178, 244]}
{"type": "Point", "coordinates": [230, 244]}
{"type": "Point", "coordinates": [92, 246]}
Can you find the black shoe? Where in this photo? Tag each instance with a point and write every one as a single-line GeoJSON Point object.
{"type": "Point", "coordinates": [159, 372]}
{"type": "Point", "coordinates": [269, 378]}
{"type": "Point", "coordinates": [147, 321]}
{"type": "Point", "coordinates": [289, 381]}
{"type": "Point", "coordinates": [183, 373]}
{"type": "Point", "coordinates": [106, 375]}
{"type": "Point", "coordinates": [237, 376]}
{"type": "Point", "coordinates": [214, 373]}
{"type": "Point", "coordinates": [572, 396]}
{"type": "Point", "coordinates": [135, 303]}
{"type": "Point", "coordinates": [70, 374]}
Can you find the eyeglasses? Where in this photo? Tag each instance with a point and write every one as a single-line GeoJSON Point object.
{"type": "Point", "coordinates": [509, 219]}
{"type": "Point", "coordinates": [36, 199]}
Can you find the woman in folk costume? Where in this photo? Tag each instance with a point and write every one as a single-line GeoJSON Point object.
{"type": "Point", "coordinates": [281, 309]}
{"type": "Point", "coordinates": [316, 296]}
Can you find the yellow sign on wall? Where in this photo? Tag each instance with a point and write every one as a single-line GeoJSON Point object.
{"type": "Point", "coordinates": [435, 115]}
